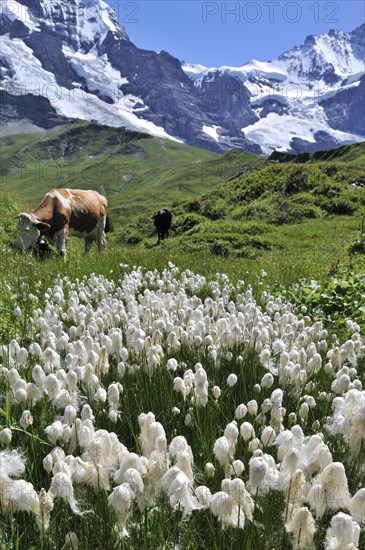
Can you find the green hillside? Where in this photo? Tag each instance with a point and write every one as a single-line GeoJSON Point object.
{"type": "Point", "coordinates": [354, 153]}
{"type": "Point", "coordinates": [241, 214]}
{"type": "Point", "coordinates": [272, 205]}
{"type": "Point", "coordinates": [234, 205]}
{"type": "Point", "coordinates": [249, 214]}
{"type": "Point", "coordinates": [10, 205]}
{"type": "Point", "coordinates": [135, 171]}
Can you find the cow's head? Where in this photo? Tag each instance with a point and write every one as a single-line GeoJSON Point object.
{"type": "Point", "coordinates": [29, 230]}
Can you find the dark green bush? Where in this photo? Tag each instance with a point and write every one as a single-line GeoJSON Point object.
{"type": "Point", "coordinates": [289, 211]}
{"type": "Point", "coordinates": [220, 248]}
{"type": "Point", "coordinates": [333, 299]}
{"type": "Point", "coordinates": [193, 206]}
{"type": "Point", "coordinates": [297, 180]}
{"type": "Point", "coordinates": [342, 205]}
{"type": "Point", "coordinates": [331, 169]}
{"type": "Point", "coordinates": [186, 222]}
{"type": "Point", "coordinates": [133, 237]}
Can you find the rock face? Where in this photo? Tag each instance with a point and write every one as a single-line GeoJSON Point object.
{"type": "Point", "coordinates": [72, 59]}
{"type": "Point", "coordinates": [345, 110]}
{"type": "Point", "coordinates": [30, 108]}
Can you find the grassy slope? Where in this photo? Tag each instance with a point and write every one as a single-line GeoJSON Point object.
{"type": "Point", "coordinates": [21, 277]}
{"type": "Point", "coordinates": [297, 212]}
{"type": "Point", "coordinates": [294, 250]}
{"type": "Point", "coordinates": [137, 173]}
{"type": "Point", "coordinates": [301, 250]}
{"type": "Point", "coordinates": [255, 211]}
{"type": "Point", "coordinates": [354, 153]}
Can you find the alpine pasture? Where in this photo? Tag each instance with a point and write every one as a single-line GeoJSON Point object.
{"type": "Point", "coordinates": [192, 395]}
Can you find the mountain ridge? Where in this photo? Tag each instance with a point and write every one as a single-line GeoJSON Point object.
{"type": "Point", "coordinates": [79, 59]}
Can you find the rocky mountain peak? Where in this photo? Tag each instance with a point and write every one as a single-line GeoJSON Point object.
{"type": "Point", "coordinates": [331, 56]}
{"type": "Point", "coordinates": [75, 61]}
{"type": "Point", "coordinates": [82, 24]}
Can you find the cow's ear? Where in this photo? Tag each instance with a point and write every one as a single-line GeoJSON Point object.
{"type": "Point", "coordinates": [42, 226]}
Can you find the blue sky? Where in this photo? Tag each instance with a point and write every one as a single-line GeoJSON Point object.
{"type": "Point", "coordinates": [217, 33]}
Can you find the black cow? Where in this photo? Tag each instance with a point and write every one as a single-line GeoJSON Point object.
{"type": "Point", "coordinates": [162, 221]}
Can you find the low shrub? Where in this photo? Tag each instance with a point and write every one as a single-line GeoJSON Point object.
{"type": "Point", "coordinates": [184, 223]}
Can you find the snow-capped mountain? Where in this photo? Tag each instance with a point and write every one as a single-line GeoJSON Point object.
{"type": "Point", "coordinates": [62, 59]}
{"type": "Point", "coordinates": [310, 97]}
{"type": "Point", "coordinates": [52, 50]}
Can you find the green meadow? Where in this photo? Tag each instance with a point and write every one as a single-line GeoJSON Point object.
{"type": "Point", "coordinates": [291, 228]}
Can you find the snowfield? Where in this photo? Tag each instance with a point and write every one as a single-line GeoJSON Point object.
{"type": "Point", "coordinates": [29, 77]}
{"type": "Point", "coordinates": [276, 132]}
{"type": "Point", "coordinates": [248, 398]}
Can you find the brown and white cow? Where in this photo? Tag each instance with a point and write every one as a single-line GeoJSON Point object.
{"type": "Point", "coordinates": [64, 213]}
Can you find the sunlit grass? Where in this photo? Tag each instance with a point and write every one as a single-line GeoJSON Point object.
{"type": "Point", "coordinates": [158, 526]}
{"type": "Point", "coordinates": [309, 250]}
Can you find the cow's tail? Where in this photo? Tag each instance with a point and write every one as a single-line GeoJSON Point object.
{"type": "Point", "coordinates": [108, 225]}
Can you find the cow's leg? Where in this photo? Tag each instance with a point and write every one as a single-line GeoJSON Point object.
{"type": "Point", "coordinates": [100, 234]}
{"type": "Point", "coordinates": [61, 241]}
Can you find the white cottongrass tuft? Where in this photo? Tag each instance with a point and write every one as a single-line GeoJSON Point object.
{"type": "Point", "coordinates": [357, 506]}
{"type": "Point", "coordinates": [177, 484]}
{"type": "Point", "coordinates": [268, 436]}
{"type": "Point", "coordinates": [216, 392]}
{"type": "Point", "coordinates": [45, 509]}
{"type": "Point", "coordinates": [349, 418]}
{"type": "Point", "coordinates": [301, 528]}
{"type": "Point", "coordinates": [226, 509]}
{"type": "Point", "coordinates": [225, 446]}
{"type": "Point", "coordinates": [120, 500]}
{"type": "Point", "coordinates": [61, 487]}
{"type": "Point", "coordinates": [16, 494]}
{"type": "Point", "coordinates": [247, 431]}
{"type": "Point", "coordinates": [232, 379]}
{"type": "Point", "coordinates": [330, 490]}
{"type": "Point", "coordinates": [258, 471]}
{"type": "Point", "coordinates": [343, 533]}
{"type": "Point", "coordinates": [252, 406]}
{"type": "Point", "coordinates": [203, 495]}
{"type": "Point", "coordinates": [71, 541]}
{"type": "Point", "coordinates": [5, 436]}
{"type": "Point", "coordinates": [209, 469]}
{"type": "Point", "coordinates": [240, 412]}
{"type": "Point", "coordinates": [267, 380]}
